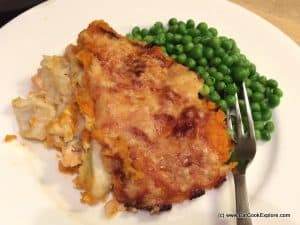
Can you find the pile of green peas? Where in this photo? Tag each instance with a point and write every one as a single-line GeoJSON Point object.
{"type": "Point", "coordinates": [219, 62]}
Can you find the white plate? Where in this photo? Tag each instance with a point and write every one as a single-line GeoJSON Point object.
{"type": "Point", "coordinates": [33, 192]}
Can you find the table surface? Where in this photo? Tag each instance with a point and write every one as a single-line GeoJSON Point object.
{"type": "Point", "coordinates": [285, 14]}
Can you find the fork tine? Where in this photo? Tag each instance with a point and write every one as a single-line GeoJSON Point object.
{"type": "Point", "coordinates": [239, 122]}
{"type": "Point", "coordinates": [248, 112]}
{"type": "Point", "coordinates": [229, 120]}
{"type": "Point", "coordinates": [229, 124]}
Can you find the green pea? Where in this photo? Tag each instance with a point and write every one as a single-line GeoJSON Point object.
{"type": "Point", "coordinates": [269, 126]}
{"type": "Point", "coordinates": [211, 89]}
{"type": "Point", "coordinates": [258, 125]}
{"type": "Point", "coordinates": [202, 26]}
{"type": "Point", "coordinates": [138, 37]}
{"type": "Point", "coordinates": [252, 68]}
{"type": "Point", "coordinates": [212, 70]}
{"type": "Point", "coordinates": [247, 63]}
{"type": "Point", "coordinates": [190, 62]}
{"type": "Point", "coordinates": [205, 40]}
{"type": "Point", "coordinates": [257, 97]}
{"type": "Point", "coordinates": [204, 75]}
{"type": "Point", "coordinates": [172, 21]}
{"type": "Point", "coordinates": [278, 92]}
{"type": "Point", "coordinates": [199, 45]}
{"type": "Point", "coordinates": [263, 80]}
{"type": "Point", "coordinates": [235, 50]}
{"type": "Point", "coordinates": [200, 69]}
{"type": "Point", "coordinates": [233, 42]}
{"type": "Point", "coordinates": [210, 81]}
{"type": "Point", "coordinates": [160, 39]}
{"type": "Point", "coordinates": [265, 135]}
{"type": "Point", "coordinates": [255, 106]}
{"type": "Point", "coordinates": [224, 69]}
{"type": "Point", "coordinates": [214, 96]}
{"type": "Point", "coordinates": [272, 83]}
{"type": "Point", "coordinates": [190, 23]}
{"type": "Point", "coordinates": [231, 89]}
{"type": "Point", "coordinates": [218, 76]}
{"type": "Point", "coordinates": [135, 30]}
{"type": "Point", "coordinates": [254, 77]}
{"type": "Point", "coordinates": [227, 44]}
{"type": "Point", "coordinates": [209, 53]}
{"type": "Point", "coordinates": [158, 24]}
{"type": "Point", "coordinates": [181, 58]}
{"type": "Point", "coordinates": [193, 32]}
{"type": "Point", "coordinates": [240, 73]}
{"type": "Point", "coordinates": [220, 52]}
{"type": "Point", "coordinates": [181, 23]}
{"type": "Point", "coordinates": [196, 52]}
{"type": "Point", "coordinates": [173, 56]}
{"type": "Point", "coordinates": [273, 101]}
{"type": "Point", "coordinates": [215, 61]}
{"type": "Point", "coordinates": [223, 105]}
{"type": "Point", "coordinates": [266, 114]}
{"type": "Point", "coordinates": [220, 86]}
{"type": "Point", "coordinates": [213, 31]}
{"type": "Point", "coordinates": [169, 37]}
{"type": "Point", "coordinates": [257, 134]}
{"type": "Point", "coordinates": [186, 39]}
{"type": "Point", "coordinates": [144, 32]}
{"type": "Point", "coordinates": [197, 40]}
{"type": "Point", "coordinates": [202, 61]}
{"type": "Point", "coordinates": [227, 79]}
{"type": "Point", "coordinates": [248, 82]}
{"type": "Point", "coordinates": [205, 90]}
{"type": "Point", "coordinates": [177, 38]}
{"type": "Point", "coordinates": [256, 116]}
{"type": "Point", "coordinates": [228, 60]}
{"type": "Point", "coordinates": [268, 91]}
{"type": "Point", "coordinates": [257, 86]}
{"type": "Point", "coordinates": [170, 48]}
{"type": "Point", "coordinates": [156, 30]}
{"type": "Point", "coordinates": [215, 42]}
{"type": "Point", "coordinates": [242, 61]}
{"type": "Point", "coordinates": [188, 47]}
{"type": "Point", "coordinates": [223, 38]}
{"type": "Point", "coordinates": [230, 100]}
{"type": "Point", "coordinates": [249, 92]}
{"type": "Point", "coordinates": [182, 28]}
{"type": "Point", "coordinates": [178, 48]}
{"type": "Point", "coordinates": [235, 58]}
{"type": "Point", "coordinates": [264, 106]}
{"type": "Point", "coordinates": [173, 28]}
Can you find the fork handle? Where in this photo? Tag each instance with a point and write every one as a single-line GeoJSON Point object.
{"type": "Point", "coordinates": [241, 199]}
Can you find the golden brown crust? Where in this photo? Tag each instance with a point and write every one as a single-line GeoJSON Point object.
{"type": "Point", "coordinates": [161, 143]}
{"type": "Point", "coordinates": [125, 117]}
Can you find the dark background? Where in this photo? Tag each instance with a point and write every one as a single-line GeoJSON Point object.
{"type": "Point", "coordinates": [12, 8]}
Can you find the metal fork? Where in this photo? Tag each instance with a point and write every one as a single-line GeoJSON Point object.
{"type": "Point", "coordinates": [244, 153]}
